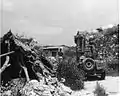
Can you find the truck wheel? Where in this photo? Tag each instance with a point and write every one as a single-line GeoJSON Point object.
{"type": "Point", "coordinates": [102, 76]}
{"type": "Point", "coordinates": [89, 64]}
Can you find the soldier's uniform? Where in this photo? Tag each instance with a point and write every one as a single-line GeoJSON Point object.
{"type": "Point", "coordinates": [60, 55]}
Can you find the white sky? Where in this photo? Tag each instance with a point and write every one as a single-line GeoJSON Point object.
{"type": "Point", "coordinates": [56, 21]}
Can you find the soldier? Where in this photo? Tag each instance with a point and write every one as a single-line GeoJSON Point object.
{"type": "Point", "coordinates": [60, 55]}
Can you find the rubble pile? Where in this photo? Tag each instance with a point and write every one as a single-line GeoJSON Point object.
{"type": "Point", "coordinates": [35, 88]}
{"type": "Point", "coordinates": [28, 74]}
{"type": "Point", "coordinates": [44, 87]}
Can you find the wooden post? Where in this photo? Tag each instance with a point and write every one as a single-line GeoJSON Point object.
{"type": "Point", "coordinates": [23, 66]}
{"type": "Point", "coordinates": [6, 53]}
{"type": "Point", "coordinates": [5, 65]}
{"type": "Point", "coordinates": [26, 73]}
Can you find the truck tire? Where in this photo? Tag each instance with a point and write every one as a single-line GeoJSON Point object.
{"type": "Point", "coordinates": [102, 76]}
{"type": "Point", "coordinates": [88, 64]}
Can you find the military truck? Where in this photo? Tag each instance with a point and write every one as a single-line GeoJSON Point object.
{"type": "Point", "coordinates": [87, 57]}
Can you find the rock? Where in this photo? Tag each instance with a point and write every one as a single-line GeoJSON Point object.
{"type": "Point", "coordinates": [35, 88]}
{"type": "Point", "coordinates": [65, 88]}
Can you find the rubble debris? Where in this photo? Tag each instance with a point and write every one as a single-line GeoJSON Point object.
{"type": "Point", "coordinates": [35, 88]}
{"type": "Point", "coordinates": [12, 87]}
{"type": "Point", "coordinates": [38, 71]}
{"type": "Point", "coordinates": [22, 59]}
{"type": "Point", "coordinates": [45, 87]}
{"type": "Point", "coordinates": [25, 63]}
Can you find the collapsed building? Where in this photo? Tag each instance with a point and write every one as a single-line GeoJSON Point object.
{"type": "Point", "coordinates": [22, 58]}
{"type": "Point", "coordinates": [20, 61]}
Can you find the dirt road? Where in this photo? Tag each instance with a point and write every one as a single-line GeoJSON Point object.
{"type": "Point", "coordinates": [110, 84]}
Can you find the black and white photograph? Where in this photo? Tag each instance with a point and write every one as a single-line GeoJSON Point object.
{"type": "Point", "coordinates": [59, 48]}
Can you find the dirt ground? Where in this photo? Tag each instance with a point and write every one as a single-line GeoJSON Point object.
{"type": "Point", "coordinates": [110, 84]}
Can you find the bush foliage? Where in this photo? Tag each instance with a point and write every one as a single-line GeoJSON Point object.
{"type": "Point", "coordinates": [68, 70]}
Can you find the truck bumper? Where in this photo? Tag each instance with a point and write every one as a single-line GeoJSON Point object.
{"type": "Point", "coordinates": [95, 72]}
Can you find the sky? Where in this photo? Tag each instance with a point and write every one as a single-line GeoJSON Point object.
{"type": "Point", "coordinates": [56, 21]}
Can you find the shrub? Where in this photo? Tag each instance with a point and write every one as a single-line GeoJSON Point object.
{"type": "Point", "coordinates": [112, 68]}
{"type": "Point", "coordinates": [71, 52]}
{"type": "Point", "coordinates": [99, 90]}
{"type": "Point", "coordinates": [73, 76]}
